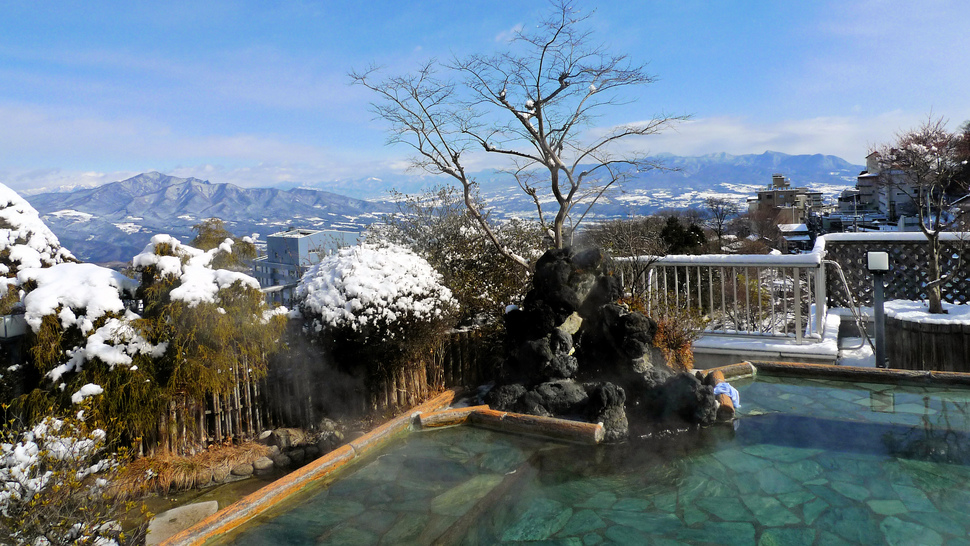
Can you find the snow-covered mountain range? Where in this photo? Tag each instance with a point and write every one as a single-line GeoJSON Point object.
{"type": "Point", "coordinates": [114, 221]}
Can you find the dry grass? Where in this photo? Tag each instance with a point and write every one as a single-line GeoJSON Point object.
{"type": "Point", "coordinates": [674, 342]}
{"type": "Point", "coordinates": [163, 473]}
{"type": "Point", "coordinates": [677, 329]}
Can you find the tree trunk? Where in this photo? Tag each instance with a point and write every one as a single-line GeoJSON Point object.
{"type": "Point", "coordinates": [933, 292]}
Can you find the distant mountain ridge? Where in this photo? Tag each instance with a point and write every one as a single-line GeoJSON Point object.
{"type": "Point", "coordinates": [704, 172]}
{"type": "Point", "coordinates": [686, 181]}
{"type": "Point", "coordinates": [114, 221]}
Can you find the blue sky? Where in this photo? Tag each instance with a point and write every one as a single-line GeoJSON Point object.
{"type": "Point", "coordinates": [257, 93]}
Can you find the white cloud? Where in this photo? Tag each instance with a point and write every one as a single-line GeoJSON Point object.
{"type": "Point", "coordinates": [45, 148]}
{"type": "Point", "coordinates": [30, 134]}
{"type": "Point", "coordinates": [508, 35]}
{"type": "Point", "coordinates": [271, 162]}
{"type": "Point", "coordinates": [843, 136]}
{"type": "Point", "coordinates": [256, 175]}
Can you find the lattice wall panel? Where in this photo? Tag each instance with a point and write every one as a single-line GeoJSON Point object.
{"type": "Point", "coordinates": [908, 269]}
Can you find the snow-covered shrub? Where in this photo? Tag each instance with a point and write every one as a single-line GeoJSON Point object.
{"type": "Point", "coordinates": [377, 305]}
{"type": "Point", "coordinates": [195, 329]}
{"type": "Point", "coordinates": [83, 338]}
{"type": "Point", "coordinates": [212, 233]}
{"type": "Point", "coordinates": [77, 294]}
{"type": "Point", "coordinates": [373, 290]}
{"type": "Point", "coordinates": [166, 262]}
{"type": "Point", "coordinates": [436, 226]}
{"type": "Point", "coordinates": [184, 329]}
{"type": "Point", "coordinates": [215, 321]}
{"type": "Point", "coordinates": [54, 486]}
{"type": "Point", "coordinates": [25, 241]}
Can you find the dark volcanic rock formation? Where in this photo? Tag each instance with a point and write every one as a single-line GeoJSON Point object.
{"type": "Point", "coordinates": [573, 351]}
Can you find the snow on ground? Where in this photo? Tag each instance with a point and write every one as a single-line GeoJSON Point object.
{"type": "Point", "coordinates": [860, 356]}
{"type": "Point", "coordinates": [916, 311]}
{"type": "Point", "coordinates": [128, 228]}
{"type": "Point", "coordinates": [75, 215]}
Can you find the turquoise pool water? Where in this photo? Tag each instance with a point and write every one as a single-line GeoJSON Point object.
{"type": "Point", "coordinates": [810, 462]}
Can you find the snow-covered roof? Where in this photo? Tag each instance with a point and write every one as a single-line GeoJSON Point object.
{"type": "Point", "coordinates": [797, 238]}
{"type": "Point", "coordinates": [295, 233]}
{"type": "Point", "coordinates": [785, 228]}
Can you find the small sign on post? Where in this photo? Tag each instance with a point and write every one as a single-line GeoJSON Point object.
{"type": "Point", "coordinates": [878, 263]}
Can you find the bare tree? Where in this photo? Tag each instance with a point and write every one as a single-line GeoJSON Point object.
{"type": "Point", "coordinates": [535, 106]}
{"type": "Point", "coordinates": [633, 243]}
{"type": "Point", "coordinates": [925, 164]}
{"type": "Point", "coordinates": [764, 222]}
{"type": "Point", "coordinates": [721, 210]}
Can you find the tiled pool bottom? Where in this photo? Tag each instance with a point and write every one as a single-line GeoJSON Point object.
{"type": "Point", "coordinates": [811, 462]}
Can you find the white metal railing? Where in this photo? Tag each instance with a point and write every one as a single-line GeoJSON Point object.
{"type": "Point", "coordinates": [756, 295]}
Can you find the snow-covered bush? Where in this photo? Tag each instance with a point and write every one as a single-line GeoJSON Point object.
{"type": "Point", "coordinates": [215, 321]}
{"type": "Point", "coordinates": [212, 233]}
{"type": "Point", "coordinates": [166, 261]}
{"type": "Point", "coordinates": [54, 486]}
{"type": "Point", "coordinates": [376, 307]}
{"type": "Point", "coordinates": [195, 327]}
{"type": "Point", "coordinates": [436, 226]}
{"type": "Point", "coordinates": [373, 290]}
{"type": "Point", "coordinates": [82, 339]}
{"type": "Point", "coordinates": [25, 241]}
{"type": "Point", "coordinates": [182, 330]}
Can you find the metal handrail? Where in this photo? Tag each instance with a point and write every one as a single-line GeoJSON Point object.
{"type": "Point", "coordinates": [752, 295]}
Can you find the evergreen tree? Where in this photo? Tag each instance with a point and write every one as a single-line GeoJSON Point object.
{"type": "Point", "coordinates": [682, 240]}
{"type": "Point", "coordinates": [212, 232]}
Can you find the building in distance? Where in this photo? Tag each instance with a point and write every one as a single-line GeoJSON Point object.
{"type": "Point", "coordinates": [290, 253]}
